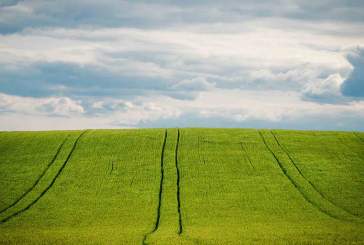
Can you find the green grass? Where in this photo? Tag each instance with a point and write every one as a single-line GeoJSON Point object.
{"type": "Point", "coordinates": [24, 156]}
{"type": "Point", "coordinates": [182, 186]}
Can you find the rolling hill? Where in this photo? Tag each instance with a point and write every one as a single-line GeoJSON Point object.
{"type": "Point", "coordinates": [182, 186]}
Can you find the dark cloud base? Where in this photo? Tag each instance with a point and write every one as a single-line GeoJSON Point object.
{"type": "Point", "coordinates": [354, 85]}
{"type": "Point", "coordinates": [160, 14]}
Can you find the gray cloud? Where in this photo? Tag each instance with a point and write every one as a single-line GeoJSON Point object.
{"type": "Point", "coordinates": [18, 15]}
{"type": "Point", "coordinates": [335, 88]}
{"type": "Point", "coordinates": [325, 90]}
{"type": "Point", "coordinates": [5, 3]}
{"type": "Point", "coordinates": [69, 79]}
{"type": "Point", "coordinates": [354, 85]}
{"type": "Point", "coordinates": [55, 78]}
{"type": "Point", "coordinates": [50, 106]}
{"type": "Point", "coordinates": [195, 84]}
{"type": "Point", "coordinates": [183, 63]}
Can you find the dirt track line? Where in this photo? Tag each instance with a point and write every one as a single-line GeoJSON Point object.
{"type": "Point", "coordinates": [180, 228]}
{"type": "Point", "coordinates": [160, 190]}
{"type": "Point", "coordinates": [49, 186]}
{"type": "Point", "coordinates": [112, 167]}
{"type": "Point", "coordinates": [293, 182]}
{"type": "Point", "coordinates": [295, 165]}
{"type": "Point", "coordinates": [284, 149]}
{"type": "Point", "coordinates": [39, 178]}
{"type": "Point", "coordinates": [246, 155]}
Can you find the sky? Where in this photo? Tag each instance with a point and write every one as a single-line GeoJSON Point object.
{"type": "Point", "coordinates": [74, 64]}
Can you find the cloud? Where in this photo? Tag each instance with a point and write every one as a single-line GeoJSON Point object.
{"type": "Point", "coordinates": [194, 84]}
{"type": "Point", "coordinates": [133, 62]}
{"type": "Point", "coordinates": [62, 106]}
{"type": "Point", "coordinates": [325, 90]}
{"type": "Point", "coordinates": [215, 108]}
{"type": "Point", "coordinates": [206, 63]}
{"type": "Point", "coordinates": [354, 85]}
{"type": "Point", "coordinates": [52, 106]}
{"type": "Point", "coordinates": [337, 88]}
{"type": "Point", "coordinates": [109, 106]}
{"type": "Point", "coordinates": [235, 108]}
{"type": "Point", "coordinates": [4, 3]}
{"type": "Point", "coordinates": [19, 15]}
{"type": "Point", "coordinates": [55, 78]}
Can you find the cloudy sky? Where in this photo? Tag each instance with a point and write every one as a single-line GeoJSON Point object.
{"type": "Point", "coordinates": [70, 64]}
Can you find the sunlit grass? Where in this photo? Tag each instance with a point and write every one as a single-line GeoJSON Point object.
{"type": "Point", "coordinates": [235, 186]}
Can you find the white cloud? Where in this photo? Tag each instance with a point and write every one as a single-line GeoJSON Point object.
{"type": "Point", "coordinates": [325, 90]}
{"type": "Point", "coordinates": [52, 106]}
{"type": "Point", "coordinates": [194, 84]}
{"type": "Point", "coordinates": [112, 64]}
{"type": "Point", "coordinates": [274, 106]}
{"type": "Point", "coordinates": [262, 57]}
{"type": "Point", "coordinates": [212, 108]}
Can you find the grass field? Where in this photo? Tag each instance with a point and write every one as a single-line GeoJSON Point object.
{"type": "Point", "coordinates": [182, 186]}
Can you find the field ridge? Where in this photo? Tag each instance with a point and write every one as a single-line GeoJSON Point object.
{"type": "Point", "coordinates": [28, 206]}
{"type": "Point", "coordinates": [182, 186]}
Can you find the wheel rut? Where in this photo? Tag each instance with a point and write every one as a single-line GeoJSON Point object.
{"type": "Point", "coordinates": [180, 228]}
{"type": "Point", "coordinates": [39, 177]}
{"type": "Point", "coordinates": [156, 225]}
{"type": "Point", "coordinates": [247, 155]}
{"type": "Point", "coordinates": [32, 203]}
{"type": "Point", "coordinates": [169, 216]}
{"type": "Point", "coordinates": [308, 192]}
{"type": "Point", "coordinates": [284, 149]}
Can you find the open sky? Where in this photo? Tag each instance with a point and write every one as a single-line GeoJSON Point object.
{"type": "Point", "coordinates": [71, 64]}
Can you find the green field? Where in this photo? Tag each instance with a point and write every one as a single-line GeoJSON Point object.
{"type": "Point", "coordinates": [182, 186]}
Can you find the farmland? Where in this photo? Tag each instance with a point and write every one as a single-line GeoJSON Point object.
{"type": "Point", "coordinates": [182, 186]}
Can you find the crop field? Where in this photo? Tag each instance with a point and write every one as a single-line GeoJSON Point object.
{"type": "Point", "coordinates": [182, 186]}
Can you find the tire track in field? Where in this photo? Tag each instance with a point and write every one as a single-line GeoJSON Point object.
{"type": "Point", "coordinates": [39, 178]}
{"type": "Point", "coordinates": [200, 157]}
{"type": "Point", "coordinates": [180, 228]}
{"type": "Point", "coordinates": [49, 186]}
{"type": "Point", "coordinates": [303, 193]}
{"type": "Point", "coordinates": [284, 149]}
{"type": "Point", "coordinates": [246, 155]}
{"type": "Point", "coordinates": [160, 189]}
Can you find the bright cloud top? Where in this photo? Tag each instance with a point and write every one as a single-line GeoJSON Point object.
{"type": "Point", "coordinates": [282, 64]}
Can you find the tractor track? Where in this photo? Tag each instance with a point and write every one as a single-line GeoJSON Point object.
{"type": "Point", "coordinates": [180, 228]}
{"type": "Point", "coordinates": [160, 189]}
{"type": "Point", "coordinates": [160, 196]}
{"type": "Point", "coordinates": [49, 186]}
{"type": "Point", "coordinates": [39, 178]}
{"type": "Point", "coordinates": [297, 187]}
{"type": "Point", "coordinates": [284, 149]}
{"type": "Point", "coordinates": [246, 155]}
